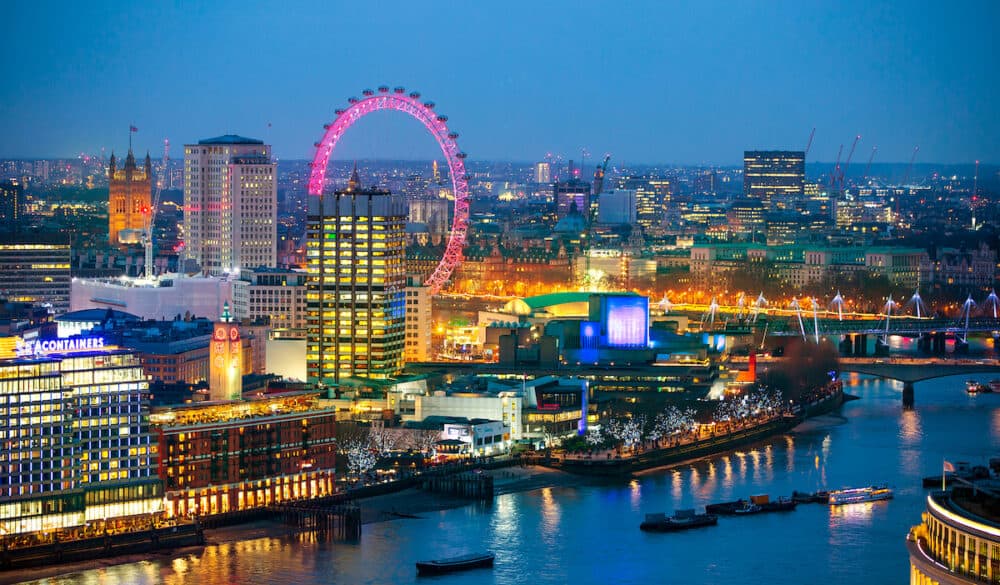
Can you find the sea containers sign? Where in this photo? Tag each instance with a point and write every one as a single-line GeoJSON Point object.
{"type": "Point", "coordinates": [40, 347]}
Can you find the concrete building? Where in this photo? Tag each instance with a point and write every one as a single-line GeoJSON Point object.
{"type": "Point", "coordinates": [35, 270]}
{"type": "Point", "coordinates": [419, 325]}
{"type": "Point", "coordinates": [572, 195]}
{"type": "Point", "coordinates": [775, 177]}
{"type": "Point", "coordinates": [129, 199]}
{"type": "Point", "coordinates": [542, 173]}
{"type": "Point", "coordinates": [504, 406]}
{"type": "Point", "coordinates": [617, 206]}
{"type": "Point", "coordinates": [356, 288]}
{"type": "Point", "coordinates": [11, 205]}
{"type": "Point", "coordinates": [230, 204]}
{"type": "Point", "coordinates": [276, 296]}
{"type": "Point", "coordinates": [164, 298]}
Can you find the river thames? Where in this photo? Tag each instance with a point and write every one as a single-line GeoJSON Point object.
{"type": "Point", "coordinates": [590, 533]}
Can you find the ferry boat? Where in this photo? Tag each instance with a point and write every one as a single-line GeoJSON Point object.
{"type": "Point", "coordinates": [858, 495]}
{"type": "Point", "coordinates": [452, 564]}
{"type": "Point", "coordinates": [681, 520]}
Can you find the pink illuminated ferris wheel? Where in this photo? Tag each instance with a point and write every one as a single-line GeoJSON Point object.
{"type": "Point", "coordinates": [399, 100]}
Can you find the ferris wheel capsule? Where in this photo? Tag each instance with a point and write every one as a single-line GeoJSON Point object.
{"type": "Point", "coordinates": [383, 89]}
{"type": "Point", "coordinates": [352, 100]}
{"type": "Point", "coordinates": [399, 89]}
{"type": "Point", "coordinates": [368, 93]}
{"type": "Point", "coordinates": [453, 135]}
{"type": "Point", "coordinates": [461, 155]}
{"type": "Point", "coordinates": [415, 95]}
{"type": "Point", "coordinates": [442, 119]}
{"type": "Point", "coordinates": [429, 105]}
{"type": "Point", "coordinates": [326, 126]}
{"type": "Point", "coordinates": [339, 112]}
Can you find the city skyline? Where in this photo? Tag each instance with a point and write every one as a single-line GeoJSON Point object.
{"type": "Point", "coordinates": [695, 95]}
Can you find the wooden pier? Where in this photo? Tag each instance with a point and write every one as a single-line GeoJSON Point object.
{"type": "Point", "coordinates": [333, 522]}
{"type": "Point", "coordinates": [476, 486]}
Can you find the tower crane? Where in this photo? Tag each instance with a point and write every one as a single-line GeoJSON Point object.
{"type": "Point", "coordinates": [836, 168]}
{"type": "Point", "coordinates": [868, 167]}
{"type": "Point", "coordinates": [850, 155]}
{"type": "Point", "coordinates": [147, 234]}
{"type": "Point", "coordinates": [810, 143]}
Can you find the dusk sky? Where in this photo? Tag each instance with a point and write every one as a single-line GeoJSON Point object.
{"type": "Point", "coordinates": [650, 82]}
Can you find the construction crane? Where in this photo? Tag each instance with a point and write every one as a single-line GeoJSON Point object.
{"type": "Point", "coordinates": [836, 168]}
{"type": "Point", "coordinates": [147, 234]}
{"type": "Point", "coordinates": [599, 173]}
{"type": "Point", "coordinates": [850, 155]}
{"type": "Point", "coordinates": [972, 200]}
{"type": "Point", "coordinates": [810, 143]}
{"type": "Point", "coordinates": [868, 167]}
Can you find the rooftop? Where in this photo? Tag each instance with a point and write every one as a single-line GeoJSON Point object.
{"type": "Point", "coordinates": [230, 139]}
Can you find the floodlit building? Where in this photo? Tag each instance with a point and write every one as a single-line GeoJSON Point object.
{"type": "Point", "coordinates": [129, 199]}
{"type": "Point", "coordinates": [36, 271]}
{"type": "Point", "coordinates": [418, 325]}
{"type": "Point", "coordinates": [230, 204]}
{"type": "Point", "coordinates": [164, 298]}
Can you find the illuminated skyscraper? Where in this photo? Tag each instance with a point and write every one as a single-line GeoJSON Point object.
{"type": "Point", "coordinates": [230, 204]}
{"type": "Point", "coordinates": [572, 195]}
{"type": "Point", "coordinates": [129, 189]}
{"type": "Point", "coordinates": [355, 299]}
{"type": "Point", "coordinates": [776, 177]}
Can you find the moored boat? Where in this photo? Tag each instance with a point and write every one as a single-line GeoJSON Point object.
{"type": "Point", "coordinates": [995, 385]}
{"type": "Point", "coordinates": [858, 495]}
{"type": "Point", "coordinates": [974, 387]}
{"type": "Point", "coordinates": [755, 505]}
{"type": "Point", "coordinates": [459, 563]}
{"type": "Point", "coordinates": [818, 497]}
{"type": "Point", "coordinates": [681, 520]}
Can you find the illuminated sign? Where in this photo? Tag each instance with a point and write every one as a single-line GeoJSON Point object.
{"type": "Point", "coordinates": [60, 345]}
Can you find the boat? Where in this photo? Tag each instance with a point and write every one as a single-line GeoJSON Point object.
{"type": "Point", "coordinates": [995, 385]}
{"type": "Point", "coordinates": [459, 563]}
{"type": "Point", "coordinates": [818, 497]}
{"type": "Point", "coordinates": [858, 495]}
{"type": "Point", "coordinates": [725, 508]}
{"type": "Point", "coordinates": [681, 520]}
{"type": "Point", "coordinates": [974, 387]}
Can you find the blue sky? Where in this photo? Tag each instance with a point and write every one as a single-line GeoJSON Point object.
{"type": "Point", "coordinates": [650, 82]}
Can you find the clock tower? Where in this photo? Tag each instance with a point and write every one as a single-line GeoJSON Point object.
{"type": "Point", "coordinates": [226, 355]}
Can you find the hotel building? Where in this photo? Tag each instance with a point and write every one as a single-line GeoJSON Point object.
{"type": "Point", "coordinates": [356, 285]}
{"type": "Point", "coordinates": [76, 442]}
{"type": "Point", "coordinates": [230, 204]}
{"type": "Point", "coordinates": [958, 540]}
{"type": "Point", "coordinates": [227, 457]}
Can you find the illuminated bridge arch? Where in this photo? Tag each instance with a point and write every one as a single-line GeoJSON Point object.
{"type": "Point", "coordinates": [399, 100]}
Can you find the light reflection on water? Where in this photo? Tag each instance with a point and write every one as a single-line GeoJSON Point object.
{"type": "Point", "coordinates": [589, 534]}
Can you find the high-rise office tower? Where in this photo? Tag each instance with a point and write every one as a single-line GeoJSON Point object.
{"type": "Point", "coordinates": [230, 204]}
{"type": "Point", "coordinates": [776, 177]}
{"type": "Point", "coordinates": [129, 188]}
{"type": "Point", "coordinates": [572, 195]}
{"type": "Point", "coordinates": [11, 204]}
{"type": "Point", "coordinates": [355, 295]}
{"type": "Point", "coordinates": [35, 269]}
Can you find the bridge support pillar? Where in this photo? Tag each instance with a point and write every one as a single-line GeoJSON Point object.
{"type": "Point", "coordinates": [939, 342]}
{"type": "Point", "coordinates": [881, 348]}
{"type": "Point", "coordinates": [861, 344]}
{"type": "Point", "coordinates": [924, 343]}
{"type": "Point", "coordinates": [846, 345]}
{"type": "Point", "coordinates": [907, 395]}
{"type": "Point", "coordinates": [996, 344]}
{"type": "Point", "coordinates": [961, 346]}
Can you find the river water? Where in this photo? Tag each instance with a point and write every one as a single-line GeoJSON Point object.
{"type": "Point", "coordinates": [590, 534]}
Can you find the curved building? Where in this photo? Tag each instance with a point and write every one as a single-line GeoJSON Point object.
{"type": "Point", "coordinates": [958, 540]}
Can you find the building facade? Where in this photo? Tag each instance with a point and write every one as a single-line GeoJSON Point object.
{"type": "Point", "coordinates": [230, 204]}
{"type": "Point", "coordinates": [276, 296]}
{"type": "Point", "coordinates": [34, 271]}
{"type": "Point", "coordinates": [129, 199]}
{"type": "Point", "coordinates": [222, 458]}
{"type": "Point", "coordinates": [78, 448]}
{"type": "Point", "coordinates": [958, 540]}
{"type": "Point", "coordinates": [418, 325]}
{"type": "Point", "coordinates": [356, 284]}
{"type": "Point", "coordinates": [11, 204]}
{"type": "Point", "coordinates": [775, 177]}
